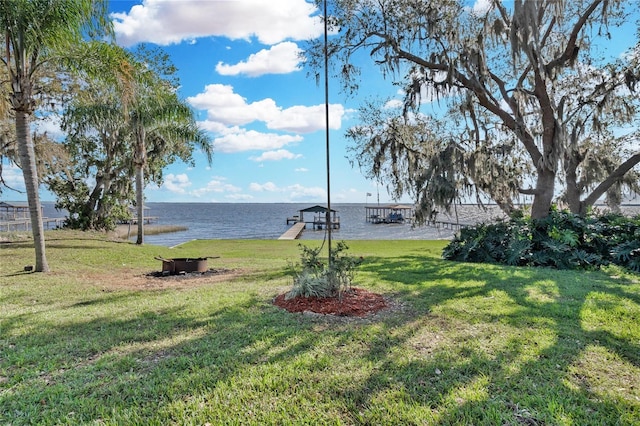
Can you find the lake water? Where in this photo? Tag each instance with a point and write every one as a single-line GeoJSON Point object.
{"type": "Point", "coordinates": [269, 221]}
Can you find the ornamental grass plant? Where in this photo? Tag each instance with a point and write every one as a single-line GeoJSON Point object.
{"type": "Point", "coordinates": [318, 277]}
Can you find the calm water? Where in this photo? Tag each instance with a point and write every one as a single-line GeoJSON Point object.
{"type": "Point", "coordinates": [269, 221]}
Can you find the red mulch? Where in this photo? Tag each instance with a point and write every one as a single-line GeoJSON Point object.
{"type": "Point", "coordinates": [354, 302]}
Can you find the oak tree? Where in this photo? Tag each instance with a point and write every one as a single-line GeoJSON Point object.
{"type": "Point", "coordinates": [531, 104]}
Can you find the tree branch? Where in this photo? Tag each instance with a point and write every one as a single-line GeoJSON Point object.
{"type": "Point", "coordinates": [483, 99]}
{"type": "Point", "coordinates": [570, 48]}
{"type": "Point", "coordinates": [611, 179]}
{"type": "Point", "coordinates": [528, 191]}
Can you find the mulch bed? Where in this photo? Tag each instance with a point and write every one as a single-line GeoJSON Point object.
{"type": "Point", "coordinates": [354, 302]}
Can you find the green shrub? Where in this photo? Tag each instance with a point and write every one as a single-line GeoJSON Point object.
{"type": "Point", "coordinates": [561, 240]}
{"type": "Point", "coordinates": [315, 278]}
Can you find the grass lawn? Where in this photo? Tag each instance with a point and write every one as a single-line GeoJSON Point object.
{"type": "Point", "coordinates": [97, 341]}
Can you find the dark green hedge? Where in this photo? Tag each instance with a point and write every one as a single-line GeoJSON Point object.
{"type": "Point", "coordinates": [561, 240]}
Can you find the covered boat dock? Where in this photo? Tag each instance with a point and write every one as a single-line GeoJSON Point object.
{"type": "Point", "coordinates": [319, 220]}
{"type": "Point", "coordinates": [392, 213]}
{"type": "Point", "coordinates": [316, 216]}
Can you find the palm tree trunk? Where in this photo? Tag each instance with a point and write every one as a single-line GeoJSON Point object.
{"type": "Point", "coordinates": [30, 174]}
{"type": "Point", "coordinates": [140, 161]}
{"type": "Point", "coordinates": [140, 202]}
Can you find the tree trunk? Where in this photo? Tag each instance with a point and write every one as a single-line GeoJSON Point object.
{"type": "Point", "coordinates": [140, 161]}
{"type": "Point", "coordinates": [102, 211]}
{"type": "Point", "coordinates": [573, 191]}
{"type": "Point", "coordinates": [613, 177]}
{"type": "Point", "coordinates": [92, 203]}
{"type": "Point", "coordinates": [140, 202]}
{"type": "Point", "coordinates": [543, 197]}
{"type": "Point", "coordinates": [30, 174]}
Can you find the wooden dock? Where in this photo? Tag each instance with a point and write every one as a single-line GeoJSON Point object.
{"type": "Point", "coordinates": [294, 232]}
{"type": "Point", "coordinates": [454, 226]}
{"type": "Point", "coordinates": [25, 224]}
{"type": "Point", "coordinates": [134, 220]}
{"type": "Point", "coordinates": [395, 213]}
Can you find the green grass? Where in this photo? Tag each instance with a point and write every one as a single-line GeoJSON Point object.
{"type": "Point", "coordinates": [466, 343]}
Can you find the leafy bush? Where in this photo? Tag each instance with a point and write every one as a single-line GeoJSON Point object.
{"type": "Point", "coordinates": [314, 278]}
{"type": "Point", "coordinates": [562, 240]}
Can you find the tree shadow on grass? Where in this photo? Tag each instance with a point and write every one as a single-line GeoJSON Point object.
{"type": "Point", "coordinates": [479, 345]}
{"type": "Point", "coordinates": [110, 367]}
{"type": "Point", "coordinates": [518, 346]}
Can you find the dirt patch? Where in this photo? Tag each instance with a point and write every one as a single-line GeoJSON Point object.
{"type": "Point", "coordinates": [355, 302]}
{"type": "Point", "coordinates": [157, 280]}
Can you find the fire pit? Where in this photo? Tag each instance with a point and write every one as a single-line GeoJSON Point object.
{"type": "Point", "coordinates": [181, 265]}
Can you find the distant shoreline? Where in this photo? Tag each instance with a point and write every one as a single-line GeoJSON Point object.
{"type": "Point", "coordinates": [125, 231]}
{"type": "Point", "coordinates": [122, 232]}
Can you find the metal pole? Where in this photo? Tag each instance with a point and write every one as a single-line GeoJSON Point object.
{"type": "Point", "coordinates": [326, 110]}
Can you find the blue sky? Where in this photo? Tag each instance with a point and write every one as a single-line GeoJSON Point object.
{"type": "Point", "coordinates": [240, 70]}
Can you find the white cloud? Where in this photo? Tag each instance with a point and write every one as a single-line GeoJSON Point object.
{"type": "Point", "coordinates": [282, 58]}
{"type": "Point", "coordinates": [281, 154]}
{"type": "Point", "coordinates": [51, 126]}
{"type": "Point", "coordinates": [167, 22]}
{"type": "Point", "coordinates": [299, 192]}
{"type": "Point", "coordinates": [307, 119]}
{"type": "Point", "coordinates": [481, 7]}
{"type": "Point", "coordinates": [12, 176]}
{"type": "Point", "coordinates": [226, 107]}
{"type": "Point", "coordinates": [264, 187]}
{"type": "Point", "coordinates": [217, 127]}
{"type": "Point", "coordinates": [349, 195]}
{"type": "Point", "coordinates": [238, 140]}
{"type": "Point", "coordinates": [301, 169]}
{"type": "Point", "coordinates": [176, 183]}
{"type": "Point", "coordinates": [393, 104]}
{"type": "Point", "coordinates": [296, 191]}
{"type": "Point", "coordinates": [216, 185]}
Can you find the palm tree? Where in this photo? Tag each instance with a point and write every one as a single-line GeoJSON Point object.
{"type": "Point", "coordinates": [37, 32]}
{"type": "Point", "coordinates": [162, 126]}
{"type": "Point", "coordinates": [123, 130]}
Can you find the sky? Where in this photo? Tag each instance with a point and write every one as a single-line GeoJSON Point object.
{"type": "Point", "coordinates": [240, 69]}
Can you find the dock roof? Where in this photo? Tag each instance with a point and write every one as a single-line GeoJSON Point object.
{"type": "Point", "coordinates": [316, 209]}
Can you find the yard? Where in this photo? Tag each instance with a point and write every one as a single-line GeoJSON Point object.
{"type": "Point", "coordinates": [104, 340]}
